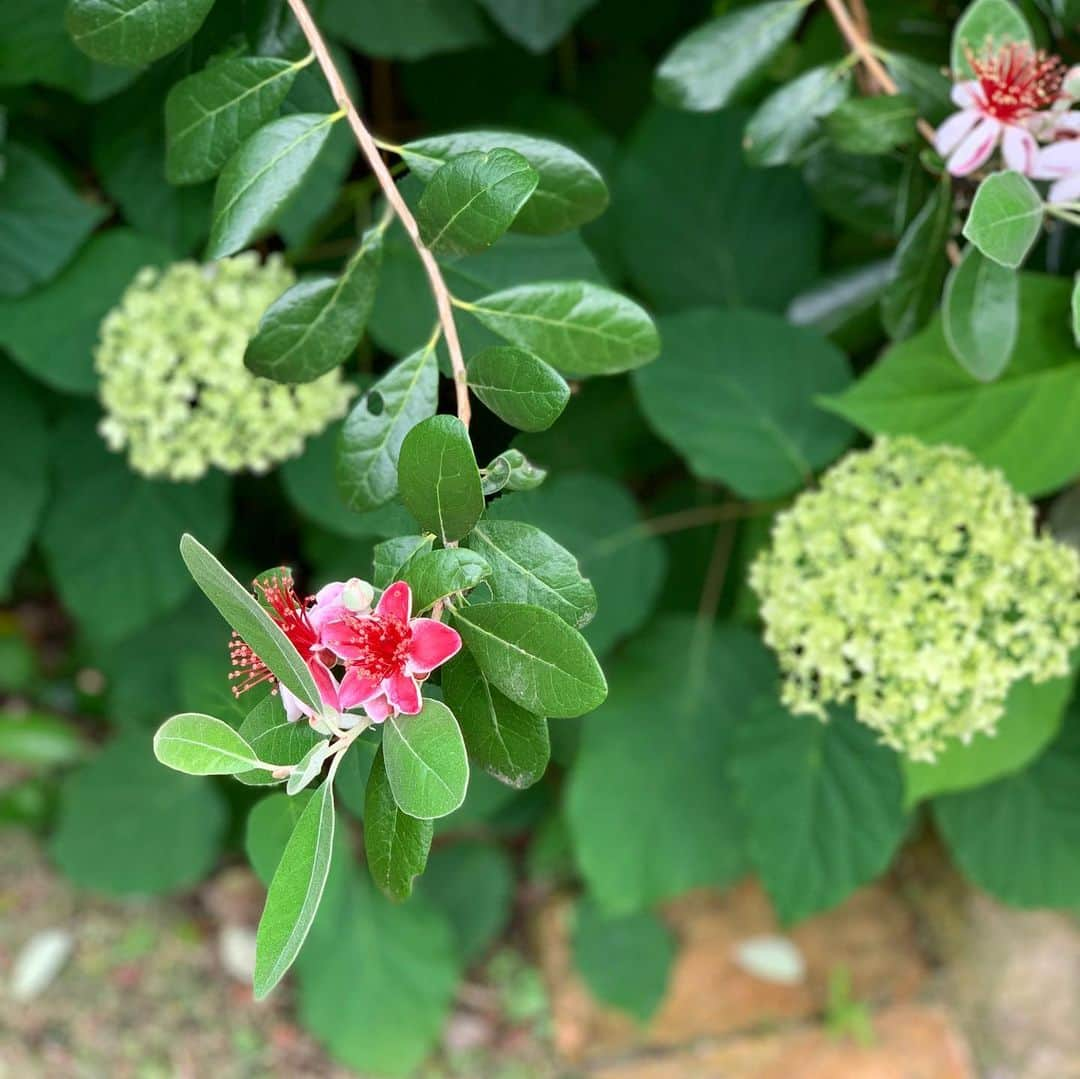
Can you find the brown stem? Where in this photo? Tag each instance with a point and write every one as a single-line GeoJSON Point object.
{"type": "Point", "coordinates": [393, 196]}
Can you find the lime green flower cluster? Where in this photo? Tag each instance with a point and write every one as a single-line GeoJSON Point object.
{"type": "Point", "coordinates": [174, 386]}
{"type": "Point", "coordinates": [914, 584]}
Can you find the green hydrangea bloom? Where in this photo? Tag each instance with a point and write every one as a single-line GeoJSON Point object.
{"type": "Point", "coordinates": [176, 393]}
{"type": "Point", "coordinates": [913, 583]}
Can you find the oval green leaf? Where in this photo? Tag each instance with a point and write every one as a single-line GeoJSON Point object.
{"type": "Point", "coordinates": [426, 762]}
{"type": "Point", "coordinates": [434, 575]}
{"type": "Point", "coordinates": [1005, 218]}
{"type": "Point", "coordinates": [201, 745]}
{"type": "Point", "coordinates": [981, 314]}
{"type": "Point", "coordinates": [273, 739]}
{"type": "Point", "coordinates": [518, 387]}
{"type": "Point", "coordinates": [130, 33]}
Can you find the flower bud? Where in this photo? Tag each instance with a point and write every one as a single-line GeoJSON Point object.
{"type": "Point", "coordinates": [357, 595]}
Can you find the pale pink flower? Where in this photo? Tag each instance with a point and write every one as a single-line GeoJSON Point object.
{"type": "Point", "coordinates": [1060, 161]}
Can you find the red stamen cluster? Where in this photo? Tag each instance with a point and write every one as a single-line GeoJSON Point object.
{"type": "Point", "coordinates": [1016, 81]}
{"type": "Point", "coordinates": [382, 644]}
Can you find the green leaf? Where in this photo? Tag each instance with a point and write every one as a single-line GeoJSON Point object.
{"type": "Point", "coordinates": [580, 328]}
{"type": "Point", "coordinates": [1076, 309]}
{"type": "Point", "coordinates": [1005, 218]}
{"type": "Point", "coordinates": [392, 555]}
{"type": "Point", "coordinates": [38, 740]}
{"type": "Point", "coordinates": [127, 826]}
{"type": "Point", "coordinates": [625, 960]}
{"type": "Point", "coordinates": [308, 768]}
{"type": "Point", "coordinates": [926, 84]}
{"type": "Point", "coordinates": [691, 249]}
{"type": "Point", "coordinates": [209, 114]}
{"type": "Point", "coordinates": [434, 575]}
{"type": "Point", "coordinates": [246, 616]}
{"type": "Point", "coordinates": [533, 657]}
{"type": "Point", "coordinates": [873, 125]}
{"type": "Point", "coordinates": [201, 745]}
{"type": "Point", "coordinates": [537, 26]}
{"type": "Point", "coordinates": [981, 314]}
{"type": "Point", "coordinates": [52, 332]}
{"type": "Point", "coordinates": [1019, 838]}
{"type": "Point", "coordinates": [261, 176]}
{"type": "Point", "coordinates": [918, 268]}
{"type": "Point", "coordinates": [862, 191]}
{"type": "Point", "coordinates": [528, 566]}
{"type": "Point", "coordinates": [406, 29]}
{"type": "Point", "coordinates": [569, 193]}
{"type": "Point", "coordinates": [518, 387]}
{"type": "Point", "coordinates": [367, 466]}
{"type": "Point", "coordinates": [986, 23]}
{"type": "Point", "coordinates": [1033, 715]}
{"type": "Point", "coordinates": [786, 125]}
{"type": "Point", "coordinates": [918, 389]}
{"type": "Point", "coordinates": [130, 33]}
{"type": "Point", "coordinates": [295, 891]}
{"type": "Point", "coordinates": [473, 199]}
{"type": "Point", "coordinates": [505, 740]}
{"type": "Point", "coordinates": [269, 826]}
{"type": "Point", "coordinates": [822, 803]}
{"type": "Point", "coordinates": [634, 851]}
{"type": "Point", "coordinates": [273, 739]}
{"type": "Point", "coordinates": [439, 479]}
{"type": "Point", "coordinates": [316, 325]}
{"type": "Point", "coordinates": [42, 220]}
{"type": "Point", "coordinates": [425, 761]}
{"type": "Point", "coordinates": [735, 394]}
{"type": "Point", "coordinates": [714, 63]}
{"type": "Point", "coordinates": [396, 844]}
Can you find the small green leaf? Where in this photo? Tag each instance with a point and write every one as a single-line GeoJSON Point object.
{"type": "Point", "coordinates": [426, 762]}
{"type": "Point", "coordinates": [295, 891]}
{"type": "Point", "coordinates": [569, 193]}
{"type": "Point", "coordinates": [715, 62]}
{"type": "Point", "coordinates": [473, 199]}
{"type": "Point", "coordinates": [434, 575]}
{"type": "Point", "coordinates": [578, 327]}
{"type": "Point", "coordinates": [267, 830]}
{"type": "Point", "coordinates": [391, 556]}
{"type": "Point", "coordinates": [378, 423]}
{"type": "Point", "coordinates": [316, 325]}
{"type": "Point", "coordinates": [274, 739]}
{"type": "Point", "coordinates": [258, 180]}
{"type": "Point", "coordinates": [201, 745]}
{"type": "Point", "coordinates": [533, 657]}
{"type": "Point", "coordinates": [508, 742]}
{"type": "Point", "coordinates": [439, 479]}
{"type": "Point", "coordinates": [981, 314]}
{"type": "Point", "coordinates": [396, 844]}
{"type": "Point", "coordinates": [528, 566]}
{"type": "Point", "coordinates": [239, 608]}
{"type": "Point", "coordinates": [308, 768]}
{"type": "Point", "coordinates": [518, 387]}
{"type": "Point", "coordinates": [1005, 218]}
{"type": "Point", "coordinates": [873, 125]}
{"type": "Point", "coordinates": [130, 33]}
{"type": "Point", "coordinates": [986, 23]}
{"type": "Point", "coordinates": [209, 114]}
{"type": "Point", "coordinates": [537, 26]}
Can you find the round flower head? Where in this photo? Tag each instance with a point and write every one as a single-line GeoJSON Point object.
{"type": "Point", "coordinates": [176, 393]}
{"type": "Point", "coordinates": [913, 583]}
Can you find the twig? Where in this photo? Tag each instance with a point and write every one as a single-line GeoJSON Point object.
{"type": "Point", "coordinates": [393, 196]}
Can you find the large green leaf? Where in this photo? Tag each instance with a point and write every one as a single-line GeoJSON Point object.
{"type": "Point", "coordinates": [528, 566]}
{"type": "Point", "coordinates": [42, 220]}
{"type": "Point", "coordinates": [822, 802]}
{"type": "Point", "coordinates": [986, 24]}
{"type": "Point", "coordinates": [392, 556]}
{"type": "Point", "coordinates": [569, 193]}
{"type": "Point", "coordinates": [316, 325]}
{"type": "Point", "coordinates": [52, 331]}
{"type": "Point", "coordinates": [202, 745]}
{"type": "Point", "coordinates": [247, 617]}
{"type": "Point", "coordinates": [1005, 218]}
{"type": "Point", "coordinates": [873, 125]}
{"type": "Point", "coordinates": [1019, 838]}
{"type": "Point", "coordinates": [518, 387]}
{"type": "Point", "coordinates": [377, 425]}
{"type": "Point", "coordinates": [917, 388]}
{"type": "Point", "coordinates": [426, 762]}
{"type": "Point", "coordinates": [713, 63]}
{"type": "Point", "coordinates": [1033, 715]}
{"type": "Point", "coordinates": [439, 479]}
{"type": "Point", "coordinates": [129, 827]}
{"type": "Point", "coordinates": [504, 739]}
{"type": "Point", "coordinates": [980, 314]}
{"type": "Point", "coordinates": [209, 114]}
{"type": "Point", "coordinates": [396, 844]}
{"type": "Point", "coordinates": [699, 226]}
{"type": "Point", "coordinates": [295, 891]}
{"type": "Point", "coordinates": [579, 328]}
{"type": "Point", "coordinates": [130, 33]}
{"type": "Point", "coordinates": [268, 828]}
{"type": "Point", "coordinates": [536, 24]}
{"type": "Point", "coordinates": [274, 739]}
{"type": "Point", "coordinates": [473, 199]}
{"type": "Point", "coordinates": [734, 394]}
{"type": "Point", "coordinates": [405, 29]}
{"type": "Point", "coordinates": [434, 575]}
{"type": "Point", "coordinates": [665, 736]}
{"type": "Point", "coordinates": [533, 657]}
{"type": "Point", "coordinates": [260, 178]}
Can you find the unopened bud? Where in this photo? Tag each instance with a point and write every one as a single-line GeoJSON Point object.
{"type": "Point", "coordinates": [357, 594]}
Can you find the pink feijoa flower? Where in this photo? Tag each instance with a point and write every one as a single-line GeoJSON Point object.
{"type": "Point", "coordinates": [1060, 161]}
{"type": "Point", "coordinates": [388, 653]}
{"type": "Point", "coordinates": [1011, 86]}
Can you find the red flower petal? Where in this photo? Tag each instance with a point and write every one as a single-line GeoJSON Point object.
{"type": "Point", "coordinates": [396, 602]}
{"type": "Point", "coordinates": [432, 644]}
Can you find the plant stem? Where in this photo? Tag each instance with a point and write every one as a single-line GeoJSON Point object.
{"type": "Point", "coordinates": [370, 150]}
